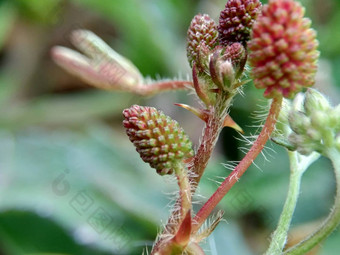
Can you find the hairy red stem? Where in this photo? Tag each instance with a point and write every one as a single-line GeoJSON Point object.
{"type": "Point", "coordinates": [240, 169]}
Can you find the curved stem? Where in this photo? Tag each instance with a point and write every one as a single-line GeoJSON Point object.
{"type": "Point", "coordinates": [297, 168]}
{"type": "Point", "coordinates": [333, 218]}
{"type": "Point", "coordinates": [257, 147]}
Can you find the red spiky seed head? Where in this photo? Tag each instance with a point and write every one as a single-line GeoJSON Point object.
{"type": "Point", "coordinates": [158, 139]}
{"type": "Point", "coordinates": [236, 21]}
{"type": "Point", "coordinates": [283, 49]}
{"type": "Point", "coordinates": [202, 37]}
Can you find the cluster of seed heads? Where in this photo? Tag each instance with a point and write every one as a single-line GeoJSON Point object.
{"type": "Point", "coordinates": [235, 25]}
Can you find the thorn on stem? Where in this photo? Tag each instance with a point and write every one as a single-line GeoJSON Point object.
{"type": "Point", "coordinates": [202, 114]}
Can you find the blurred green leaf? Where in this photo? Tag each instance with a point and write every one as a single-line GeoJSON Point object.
{"type": "Point", "coordinates": [98, 167]}
{"type": "Point", "coordinates": [65, 110]}
{"type": "Point", "coordinates": [39, 11]}
{"type": "Point", "coordinates": [149, 32]}
{"type": "Point", "coordinates": [27, 233]}
{"type": "Point", "coordinates": [7, 18]}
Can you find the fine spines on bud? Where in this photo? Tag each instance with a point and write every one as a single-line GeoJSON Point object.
{"type": "Point", "coordinates": [236, 21]}
{"type": "Point", "coordinates": [283, 49]}
{"type": "Point", "coordinates": [202, 37]}
{"type": "Point", "coordinates": [158, 139]}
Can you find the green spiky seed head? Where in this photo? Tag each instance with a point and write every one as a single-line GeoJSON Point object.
{"type": "Point", "coordinates": [158, 139]}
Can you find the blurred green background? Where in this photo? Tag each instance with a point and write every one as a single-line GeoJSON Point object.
{"type": "Point", "coordinates": [71, 182]}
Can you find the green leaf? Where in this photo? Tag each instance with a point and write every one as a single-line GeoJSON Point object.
{"type": "Point", "coordinates": [93, 184]}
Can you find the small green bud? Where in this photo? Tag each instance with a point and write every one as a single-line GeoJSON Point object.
{"type": "Point", "coordinates": [315, 124]}
{"type": "Point", "coordinates": [315, 101]}
{"type": "Point", "coordinates": [313, 134]}
{"type": "Point", "coordinates": [302, 144]}
{"type": "Point", "coordinates": [298, 122]}
{"type": "Point", "coordinates": [319, 120]}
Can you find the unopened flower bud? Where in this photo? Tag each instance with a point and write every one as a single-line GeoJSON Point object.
{"type": "Point", "coordinates": [319, 120]}
{"type": "Point", "coordinates": [227, 73]}
{"type": "Point", "coordinates": [313, 134]}
{"type": "Point", "coordinates": [227, 64]}
{"type": "Point", "coordinates": [302, 144]}
{"type": "Point", "coordinates": [298, 122]}
{"type": "Point", "coordinates": [315, 101]}
{"type": "Point", "coordinates": [283, 49]}
{"type": "Point", "coordinates": [160, 141]}
{"type": "Point", "coordinates": [236, 53]}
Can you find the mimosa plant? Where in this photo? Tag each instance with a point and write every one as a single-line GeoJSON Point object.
{"type": "Point", "coordinates": [276, 46]}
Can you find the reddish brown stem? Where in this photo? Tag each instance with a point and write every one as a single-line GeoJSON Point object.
{"type": "Point", "coordinates": [212, 130]}
{"type": "Point", "coordinates": [240, 169]}
{"type": "Point", "coordinates": [158, 87]}
{"type": "Point", "coordinates": [210, 135]}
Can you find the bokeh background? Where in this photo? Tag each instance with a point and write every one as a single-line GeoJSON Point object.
{"type": "Point", "coordinates": [71, 182]}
